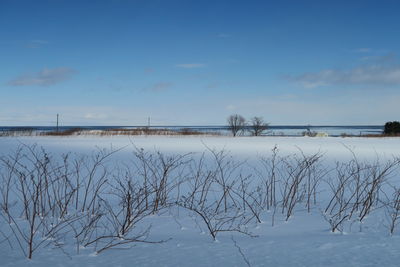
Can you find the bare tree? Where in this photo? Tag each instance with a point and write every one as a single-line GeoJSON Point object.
{"type": "Point", "coordinates": [236, 124]}
{"type": "Point", "coordinates": [257, 126]}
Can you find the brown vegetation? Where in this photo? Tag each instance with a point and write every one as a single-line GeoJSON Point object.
{"type": "Point", "coordinates": [121, 131]}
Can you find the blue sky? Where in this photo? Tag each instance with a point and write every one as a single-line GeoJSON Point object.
{"type": "Point", "coordinates": [196, 62]}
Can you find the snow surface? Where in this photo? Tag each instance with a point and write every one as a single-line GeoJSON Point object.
{"type": "Point", "coordinates": [305, 240]}
{"type": "Point", "coordinates": [333, 147]}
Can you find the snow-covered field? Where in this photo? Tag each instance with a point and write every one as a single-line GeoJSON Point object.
{"type": "Point", "coordinates": [303, 240]}
{"type": "Point", "coordinates": [333, 147]}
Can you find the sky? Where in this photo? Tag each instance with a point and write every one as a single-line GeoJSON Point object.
{"type": "Point", "coordinates": [119, 62]}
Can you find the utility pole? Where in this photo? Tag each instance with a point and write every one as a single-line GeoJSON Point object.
{"type": "Point", "coordinates": [57, 124]}
{"type": "Point", "coordinates": [148, 122]}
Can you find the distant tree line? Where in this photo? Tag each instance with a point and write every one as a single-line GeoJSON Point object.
{"type": "Point", "coordinates": [392, 128]}
{"type": "Point", "coordinates": [237, 124]}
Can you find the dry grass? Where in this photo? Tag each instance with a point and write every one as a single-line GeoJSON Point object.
{"type": "Point", "coordinates": [381, 135]}
{"type": "Point", "coordinates": [73, 131]}
{"type": "Point", "coordinates": [27, 132]}
{"type": "Point", "coordinates": [136, 131]}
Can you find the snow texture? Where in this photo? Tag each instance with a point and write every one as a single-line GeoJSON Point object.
{"type": "Point", "coordinates": [305, 240]}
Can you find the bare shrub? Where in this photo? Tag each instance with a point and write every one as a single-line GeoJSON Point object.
{"type": "Point", "coordinates": [301, 176]}
{"type": "Point", "coordinates": [355, 190]}
{"type": "Point", "coordinates": [269, 176]}
{"type": "Point", "coordinates": [44, 200]}
{"type": "Point", "coordinates": [392, 206]}
{"type": "Point", "coordinates": [157, 173]}
{"type": "Point", "coordinates": [41, 197]}
{"type": "Point", "coordinates": [213, 197]}
{"type": "Point", "coordinates": [49, 200]}
{"type": "Point", "coordinates": [122, 216]}
{"type": "Point", "coordinates": [340, 204]}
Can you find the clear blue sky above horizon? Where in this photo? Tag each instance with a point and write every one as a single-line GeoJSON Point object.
{"type": "Point", "coordinates": [196, 62]}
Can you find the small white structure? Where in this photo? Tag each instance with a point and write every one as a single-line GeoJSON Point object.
{"type": "Point", "coordinates": [322, 134]}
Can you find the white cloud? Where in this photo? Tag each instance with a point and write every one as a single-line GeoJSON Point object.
{"type": "Point", "coordinates": [230, 107]}
{"type": "Point", "coordinates": [45, 77]}
{"type": "Point", "coordinates": [149, 70]}
{"type": "Point", "coordinates": [363, 50]}
{"type": "Point", "coordinates": [191, 65]}
{"type": "Point", "coordinates": [159, 87]}
{"type": "Point", "coordinates": [372, 74]}
{"type": "Point", "coordinates": [347, 109]}
{"type": "Point", "coordinates": [39, 42]}
{"type": "Point", "coordinates": [36, 43]}
{"type": "Point", "coordinates": [95, 116]}
{"type": "Point", "coordinates": [224, 35]}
